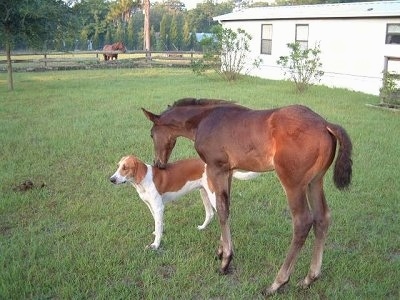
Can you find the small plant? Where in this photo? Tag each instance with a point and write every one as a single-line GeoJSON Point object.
{"type": "Point", "coordinates": [302, 66]}
{"type": "Point", "coordinates": [226, 52]}
{"type": "Point", "coordinates": [390, 92]}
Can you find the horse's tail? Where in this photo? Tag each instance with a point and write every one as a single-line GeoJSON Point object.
{"type": "Point", "coordinates": [343, 165]}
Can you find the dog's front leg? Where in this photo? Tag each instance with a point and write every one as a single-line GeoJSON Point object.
{"type": "Point", "coordinates": [158, 215]}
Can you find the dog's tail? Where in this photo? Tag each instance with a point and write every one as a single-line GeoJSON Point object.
{"type": "Point", "coordinates": [245, 175]}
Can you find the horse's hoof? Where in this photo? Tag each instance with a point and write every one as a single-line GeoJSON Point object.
{"type": "Point", "coordinates": [225, 265]}
{"type": "Point", "coordinates": [274, 289]}
{"type": "Point", "coordinates": [224, 271]}
{"type": "Point", "coordinates": [218, 256]}
{"type": "Point", "coordinates": [268, 292]}
{"type": "Point", "coordinates": [306, 282]}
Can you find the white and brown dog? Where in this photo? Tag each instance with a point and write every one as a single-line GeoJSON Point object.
{"type": "Point", "coordinates": [156, 186]}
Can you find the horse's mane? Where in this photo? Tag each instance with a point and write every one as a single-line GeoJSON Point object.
{"type": "Point", "coordinates": [201, 102]}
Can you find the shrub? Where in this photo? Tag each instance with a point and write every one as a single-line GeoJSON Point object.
{"type": "Point", "coordinates": [390, 92]}
{"type": "Point", "coordinates": [226, 52]}
{"type": "Point", "coordinates": [302, 66]}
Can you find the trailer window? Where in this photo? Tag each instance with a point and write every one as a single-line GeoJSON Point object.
{"type": "Point", "coordinates": [266, 39]}
{"type": "Point", "coordinates": [393, 34]}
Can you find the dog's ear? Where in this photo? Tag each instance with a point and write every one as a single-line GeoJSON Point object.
{"type": "Point", "coordinates": [152, 117]}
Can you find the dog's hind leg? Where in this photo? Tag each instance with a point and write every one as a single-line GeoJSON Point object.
{"type": "Point", "coordinates": [209, 208]}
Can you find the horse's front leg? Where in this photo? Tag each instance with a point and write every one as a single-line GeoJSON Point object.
{"type": "Point", "coordinates": [221, 182]}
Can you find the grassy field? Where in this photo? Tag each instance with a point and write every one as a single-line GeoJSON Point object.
{"type": "Point", "coordinates": [75, 235]}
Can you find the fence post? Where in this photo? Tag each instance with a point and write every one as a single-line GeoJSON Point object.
{"type": "Point", "coordinates": [148, 55]}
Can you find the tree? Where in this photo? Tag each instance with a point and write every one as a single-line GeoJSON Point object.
{"type": "Point", "coordinates": [91, 15]}
{"type": "Point", "coordinates": [187, 41]}
{"type": "Point", "coordinates": [202, 16]}
{"type": "Point", "coordinates": [120, 33]}
{"type": "Point", "coordinates": [131, 34]}
{"type": "Point", "coordinates": [108, 38]}
{"type": "Point", "coordinates": [121, 10]}
{"type": "Point", "coordinates": [175, 33]}
{"type": "Point", "coordinates": [163, 38]}
{"type": "Point", "coordinates": [146, 26]}
{"type": "Point", "coordinates": [174, 5]}
{"type": "Point", "coordinates": [35, 22]}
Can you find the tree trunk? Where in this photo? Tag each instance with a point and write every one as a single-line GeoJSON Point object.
{"type": "Point", "coordinates": [147, 26]}
{"type": "Point", "coordinates": [9, 66]}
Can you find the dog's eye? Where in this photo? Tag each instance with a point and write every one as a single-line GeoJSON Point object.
{"type": "Point", "coordinates": [123, 167]}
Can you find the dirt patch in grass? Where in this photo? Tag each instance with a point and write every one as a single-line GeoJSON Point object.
{"type": "Point", "coordinates": [27, 185]}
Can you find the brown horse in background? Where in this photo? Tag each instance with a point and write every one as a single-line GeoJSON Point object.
{"type": "Point", "coordinates": [114, 47]}
{"type": "Point", "coordinates": [294, 141]}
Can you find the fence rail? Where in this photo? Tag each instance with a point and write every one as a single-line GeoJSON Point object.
{"type": "Point", "coordinates": [23, 61]}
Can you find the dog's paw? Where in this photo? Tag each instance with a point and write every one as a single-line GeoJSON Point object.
{"type": "Point", "coordinates": [201, 227]}
{"type": "Point", "coordinates": [152, 247]}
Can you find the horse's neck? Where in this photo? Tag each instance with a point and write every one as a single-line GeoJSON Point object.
{"type": "Point", "coordinates": [193, 119]}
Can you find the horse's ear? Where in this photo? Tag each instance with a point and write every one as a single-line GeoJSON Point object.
{"type": "Point", "coordinates": [152, 117]}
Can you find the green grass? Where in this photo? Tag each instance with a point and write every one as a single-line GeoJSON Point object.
{"type": "Point", "coordinates": [80, 237]}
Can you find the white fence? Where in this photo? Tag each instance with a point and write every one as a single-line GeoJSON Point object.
{"type": "Point", "coordinates": [94, 59]}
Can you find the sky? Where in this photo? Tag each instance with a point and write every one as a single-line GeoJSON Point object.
{"type": "Point", "coordinates": [190, 4]}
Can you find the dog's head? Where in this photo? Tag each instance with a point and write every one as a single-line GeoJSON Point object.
{"type": "Point", "coordinates": [127, 168]}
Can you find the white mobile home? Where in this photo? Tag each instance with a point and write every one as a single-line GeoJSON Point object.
{"type": "Point", "coordinates": [358, 41]}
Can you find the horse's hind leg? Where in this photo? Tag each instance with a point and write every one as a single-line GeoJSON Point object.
{"type": "Point", "coordinates": [302, 222]}
{"type": "Point", "coordinates": [221, 181]}
{"type": "Point", "coordinates": [321, 220]}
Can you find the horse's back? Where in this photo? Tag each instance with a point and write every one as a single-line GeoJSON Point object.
{"type": "Point", "coordinates": [257, 140]}
{"type": "Point", "coordinates": [297, 119]}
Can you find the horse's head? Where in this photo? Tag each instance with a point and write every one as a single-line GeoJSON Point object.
{"type": "Point", "coordinates": [180, 119]}
{"type": "Point", "coordinates": [163, 138]}
{"type": "Point", "coordinates": [120, 46]}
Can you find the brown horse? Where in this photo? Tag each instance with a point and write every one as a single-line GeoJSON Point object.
{"type": "Point", "coordinates": [114, 47]}
{"type": "Point", "coordinates": [294, 141]}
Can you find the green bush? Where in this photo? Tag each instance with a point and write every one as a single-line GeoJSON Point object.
{"type": "Point", "coordinates": [226, 52]}
{"type": "Point", "coordinates": [302, 66]}
{"type": "Point", "coordinates": [390, 91]}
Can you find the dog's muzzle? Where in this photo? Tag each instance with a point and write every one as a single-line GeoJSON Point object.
{"type": "Point", "coordinates": [113, 179]}
{"type": "Point", "coordinates": [117, 179]}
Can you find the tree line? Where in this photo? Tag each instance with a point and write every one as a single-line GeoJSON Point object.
{"type": "Point", "coordinates": [67, 25]}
